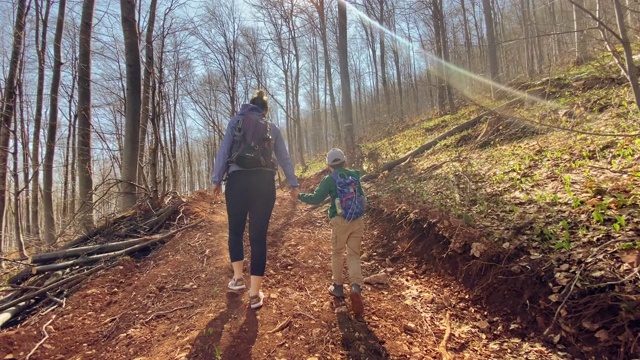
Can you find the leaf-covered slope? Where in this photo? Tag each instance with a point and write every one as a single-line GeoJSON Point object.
{"type": "Point", "coordinates": [552, 182]}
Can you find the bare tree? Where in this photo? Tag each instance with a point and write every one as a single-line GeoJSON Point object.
{"type": "Point", "coordinates": [320, 8]}
{"type": "Point", "coordinates": [17, 215]}
{"type": "Point", "coordinates": [467, 33]}
{"type": "Point", "coordinates": [41, 38]}
{"type": "Point", "coordinates": [347, 109]}
{"type": "Point", "coordinates": [492, 46]}
{"type": "Point", "coordinates": [8, 107]}
{"type": "Point", "coordinates": [69, 181]}
{"type": "Point", "coordinates": [85, 180]}
{"type": "Point", "coordinates": [383, 57]}
{"type": "Point", "coordinates": [52, 130]}
{"type": "Point", "coordinates": [133, 103]}
{"type": "Point", "coordinates": [146, 86]}
{"type": "Point", "coordinates": [396, 59]}
{"type": "Point", "coordinates": [580, 32]}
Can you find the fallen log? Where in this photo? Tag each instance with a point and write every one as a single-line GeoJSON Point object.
{"type": "Point", "coordinates": [13, 311]}
{"type": "Point", "coordinates": [103, 257]}
{"type": "Point", "coordinates": [85, 250]}
{"type": "Point", "coordinates": [50, 287]}
{"type": "Point", "coordinates": [20, 277]}
{"type": "Point", "coordinates": [456, 130]}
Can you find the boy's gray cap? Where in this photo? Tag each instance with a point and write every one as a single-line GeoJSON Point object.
{"type": "Point", "coordinates": [335, 156]}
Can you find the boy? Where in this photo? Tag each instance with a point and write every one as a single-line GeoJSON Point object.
{"type": "Point", "coordinates": [345, 234]}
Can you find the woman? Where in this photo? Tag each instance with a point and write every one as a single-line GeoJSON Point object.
{"type": "Point", "coordinates": [245, 156]}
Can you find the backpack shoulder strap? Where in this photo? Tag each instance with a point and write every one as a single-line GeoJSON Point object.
{"type": "Point", "coordinates": [237, 130]}
{"type": "Point", "coordinates": [336, 176]}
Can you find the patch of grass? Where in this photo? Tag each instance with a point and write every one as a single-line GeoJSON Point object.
{"type": "Point", "coordinates": [314, 165]}
{"type": "Point", "coordinates": [632, 245]}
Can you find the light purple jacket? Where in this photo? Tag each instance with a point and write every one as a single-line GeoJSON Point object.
{"type": "Point", "coordinates": [221, 166]}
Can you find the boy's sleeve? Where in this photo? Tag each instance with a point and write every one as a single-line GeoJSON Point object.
{"type": "Point", "coordinates": [360, 184]}
{"type": "Point", "coordinates": [318, 196]}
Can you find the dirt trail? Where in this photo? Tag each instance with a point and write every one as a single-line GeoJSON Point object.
{"type": "Point", "coordinates": [174, 304]}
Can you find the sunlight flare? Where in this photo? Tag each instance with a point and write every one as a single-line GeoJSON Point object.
{"type": "Point", "coordinates": [473, 86]}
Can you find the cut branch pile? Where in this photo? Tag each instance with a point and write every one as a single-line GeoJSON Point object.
{"type": "Point", "coordinates": [50, 277]}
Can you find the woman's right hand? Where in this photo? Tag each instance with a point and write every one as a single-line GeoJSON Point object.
{"type": "Point", "coordinates": [216, 189]}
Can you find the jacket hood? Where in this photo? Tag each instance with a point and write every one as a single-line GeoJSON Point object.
{"type": "Point", "coordinates": [247, 108]}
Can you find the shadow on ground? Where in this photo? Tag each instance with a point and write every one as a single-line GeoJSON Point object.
{"type": "Point", "coordinates": [358, 341]}
{"type": "Point", "coordinates": [207, 344]}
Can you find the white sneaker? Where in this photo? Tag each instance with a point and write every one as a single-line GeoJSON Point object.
{"type": "Point", "coordinates": [236, 284]}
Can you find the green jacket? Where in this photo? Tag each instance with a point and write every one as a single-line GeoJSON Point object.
{"type": "Point", "coordinates": [327, 187]}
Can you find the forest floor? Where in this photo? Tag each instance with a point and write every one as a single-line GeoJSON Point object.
{"type": "Point", "coordinates": [514, 239]}
{"type": "Point", "coordinates": [174, 304]}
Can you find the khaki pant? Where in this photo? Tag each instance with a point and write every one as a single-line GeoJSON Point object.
{"type": "Point", "coordinates": [346, 235]}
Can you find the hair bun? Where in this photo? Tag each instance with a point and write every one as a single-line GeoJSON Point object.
{"type": "Point", "coordinates": [260, 94]}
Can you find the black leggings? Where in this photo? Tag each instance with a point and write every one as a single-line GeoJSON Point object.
{"type": "Point", "coordinates": [253, 193]}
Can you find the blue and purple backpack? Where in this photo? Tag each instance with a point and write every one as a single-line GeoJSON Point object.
{"type": "Point", "coordinates": [352, 204]}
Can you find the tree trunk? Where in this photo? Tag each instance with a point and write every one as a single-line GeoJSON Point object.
{"type": "Point", "coordinates": [445, 56]}
{"type": "Point", "coordinates": [85, 180]}
{"type": "Point", "coordinates": [8, 108]}
{"type": "Point", "coordinates": [467, 34]}
{"type": "Point", "coordinates": [528, 56]}
{"type": "Point", "coordinates": [555, 39]}
{"type": "Point", "coordinates": [492, 46]}
{"type": "Point", "coordinates": [68, 196]}
{"type": "Point", "coordinates": [632, 72]}
{"type": "Point", "coordinates": [538, 41]}
{"type": "Point", "coordinates": [440, 65]}
{"type": "Point", "coordinates": [37, 120]}
{"type": "Point", "coordinates": [396, 60]}
{"type": "Point", "coordinates": [347, 110]}
{"type": "Point", "coordinates": [24, 138]}
{"type": "Point", "coordinates": [383, 60]}
{"type": "Point", "coordinates": [133, 103]}
{"type": "Point", "coordinates": [296, 92]}
{"type": "Point", "coordinates": [17, 216]}
{"type": "Point", "coordinates": [52, 130]}
{"type": "Point", "coordinates": [155, 145]}
{"type": "Point", "coordinates": [580, 39]}
{"type": "Point", "coordinates": [146, 87]}
{"type": "Point", "coordinates": [628, 4]}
